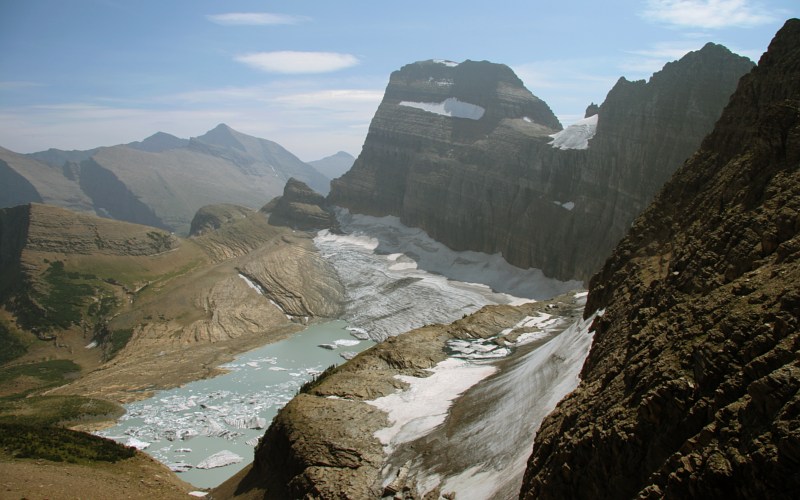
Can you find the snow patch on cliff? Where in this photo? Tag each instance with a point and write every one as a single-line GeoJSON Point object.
{"type": "Point", "coordinates": [449, 64]}
{"type": "Point", "coordinates": [521, 396]}
{"type": "Point", "coordinates": [577, 135]}
{"type": "Point", "coordinates": [422, 407]}
{"type": "Point", "coordinates": [451, 107]}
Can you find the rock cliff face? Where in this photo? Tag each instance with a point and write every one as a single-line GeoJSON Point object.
{"type": "Point", "coordinates": [463, 151]}
{"type": "Point", "coordinates": [691, 387]}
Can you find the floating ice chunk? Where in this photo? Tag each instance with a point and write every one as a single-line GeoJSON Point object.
{"type": "Point", "coordinates": [577, 135]}
{"type": "Point", "coordinates": [332, 347]}
{"type": "Point", "coordinates": [346, 342]}
{"type": "Point", "coordinates": [451, 107]}
{"type": "Point", "coordinates": [220, 459]}
{"type": "Point", "coordinates": [252, 422]}
{"type": "Point", "coordinates": [358, 333]}
{"type": "Point", "coordinates": [137, 443]}
{"type": "Point", "coordinates": [183, 450]}
{"type": "Point", "coordinates": [348, 355]}
{"type": "Point", "coordinates": [180, 467]}
{"type": "Point", "coordinates": [278, 369]}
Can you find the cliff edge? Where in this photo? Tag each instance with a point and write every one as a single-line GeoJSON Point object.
{"type": "Point", "coordinates": [691, 386]}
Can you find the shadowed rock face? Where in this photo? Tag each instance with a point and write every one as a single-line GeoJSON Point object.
{"type": "Point", "coordinates": [494, 184]}
{"type": "Point", "coordinates": [691, 387]}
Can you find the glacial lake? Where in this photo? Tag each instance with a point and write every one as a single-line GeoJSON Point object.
{"type": "Point", "coordinates": [186, 425]}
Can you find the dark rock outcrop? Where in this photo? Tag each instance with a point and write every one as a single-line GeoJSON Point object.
{"type": "Point", "coordinates": [692, 386]}
{"type": "Point", "coordinates": [495, 184]}
{"type": "Point", "coordinates": [300, 207]}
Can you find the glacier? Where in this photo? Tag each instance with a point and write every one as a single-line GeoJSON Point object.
{"type": "Point", "coordinates": [577, 135]}
{"type": "Point", "coordinates": [389, 270]}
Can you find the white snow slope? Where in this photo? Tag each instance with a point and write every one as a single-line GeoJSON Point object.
{"type": "Point", "coordinates": [487, 457]}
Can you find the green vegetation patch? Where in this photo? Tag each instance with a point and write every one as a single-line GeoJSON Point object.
{"type": "Point", "coordinates": [46, 411]}
{"type": "Point", "coordinates": [11, 347]}
{"type": "Point", "coordinates": [59, 445]}
{"type": "Point", "coordinates": [46, 373]}
{"type": "Point", "coordinates": [59, 305]}
{"type": "Point", "coordinates": [112, 340]}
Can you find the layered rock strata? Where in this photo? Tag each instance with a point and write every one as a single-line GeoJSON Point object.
{"type": "Point", "coordinates": [691, 387]}
{"type": "Point", "coordinates": [464, 152]}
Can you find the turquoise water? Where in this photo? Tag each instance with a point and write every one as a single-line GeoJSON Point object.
{"type": "Point", "coordinates": [186, 425]}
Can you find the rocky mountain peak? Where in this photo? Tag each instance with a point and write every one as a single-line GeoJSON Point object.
{"type": "Point", "coordinates": [222, 135]}
{"type": "Point", "coordinates": [158, 142]}
{"type": "Point", "coordinates": [458, 89]}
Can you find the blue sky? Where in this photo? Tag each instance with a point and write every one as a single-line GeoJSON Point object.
{"type": "Point", "coordinates": [309, 74]}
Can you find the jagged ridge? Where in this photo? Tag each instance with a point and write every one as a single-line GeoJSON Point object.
{"type": "Point", "coordinates": [691, 387]}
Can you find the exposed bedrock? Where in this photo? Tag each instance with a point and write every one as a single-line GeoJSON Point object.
{"type": "Point", "coordinates": [691, 386]}
{"type": "Point", "coordinates": [492, 183]}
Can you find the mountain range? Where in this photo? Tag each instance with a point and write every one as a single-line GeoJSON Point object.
{"type": "Point", "coordinates": [161, 181]}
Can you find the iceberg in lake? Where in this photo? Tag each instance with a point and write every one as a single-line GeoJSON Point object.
{"type": "Point", "coordinates": [220, 459]}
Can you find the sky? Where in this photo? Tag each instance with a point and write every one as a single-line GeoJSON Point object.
{"type": "Point", "coordinates": [309, 74]}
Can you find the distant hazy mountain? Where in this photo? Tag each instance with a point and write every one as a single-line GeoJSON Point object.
{"type": "Point", "coordinates": [160, 181]}
{"type": "Point", "coordinates": [335, 165]}
{"type": "Point", "coordinates": [159, 142]}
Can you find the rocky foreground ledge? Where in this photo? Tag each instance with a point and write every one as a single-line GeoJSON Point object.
{"type": "Point", "coordinates": [334, 439]}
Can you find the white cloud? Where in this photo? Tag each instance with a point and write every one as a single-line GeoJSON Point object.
{"type": "Point", "coordinates": [332, 98]}
{"type": "Point", "coordinates": [254, 19]}
{"type": "Point", "coordinates": [707, 14]}
{"type": "Point", "coordinates": [310, 121]}
{"type": "Point", "coordinates": [293, 62]}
